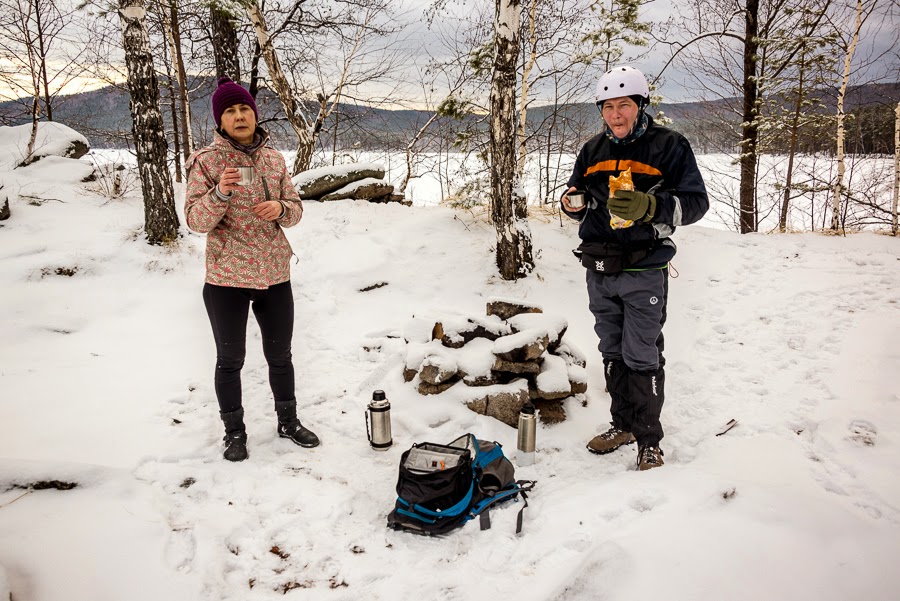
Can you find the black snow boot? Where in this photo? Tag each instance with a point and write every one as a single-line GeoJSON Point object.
{"type": "Point", "coordinates": [290, 427]}
{"type": "Point", "coordinates": [235, 436]}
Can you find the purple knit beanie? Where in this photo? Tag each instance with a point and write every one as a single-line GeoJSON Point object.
{"type": "Point", "coordinates": [228, 94]}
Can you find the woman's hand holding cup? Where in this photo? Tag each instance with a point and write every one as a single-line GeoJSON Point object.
{"type": "Point", "coordinates": [230, 180]}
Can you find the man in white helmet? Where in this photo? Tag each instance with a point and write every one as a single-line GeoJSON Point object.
{"type": "Point", "coordinates": [627, 264]}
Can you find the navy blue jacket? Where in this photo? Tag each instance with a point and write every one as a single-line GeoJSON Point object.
{"type": "Point", "coordinates": [663, 164]}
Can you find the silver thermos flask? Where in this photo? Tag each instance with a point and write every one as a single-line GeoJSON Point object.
{"type": "Point", "coordinates": [378, 422]}
{"type": "Point", "coordinates": [526, 435]}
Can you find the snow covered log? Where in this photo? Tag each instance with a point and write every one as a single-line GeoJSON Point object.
{"type": "Point", "coordinates": [315, 183]}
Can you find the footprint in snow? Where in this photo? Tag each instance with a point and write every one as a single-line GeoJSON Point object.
{"type": "Point", "coordinates": [863, 432]}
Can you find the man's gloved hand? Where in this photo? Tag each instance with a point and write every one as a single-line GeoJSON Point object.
{"type": "Point", "coordinates": [633, 205]}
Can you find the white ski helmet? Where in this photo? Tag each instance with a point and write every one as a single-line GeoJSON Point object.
{"type": "Point", "coordinates": [622, 81]}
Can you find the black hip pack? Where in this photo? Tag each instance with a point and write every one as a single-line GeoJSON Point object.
{"type": "Point", "coordinates": [609, 257]}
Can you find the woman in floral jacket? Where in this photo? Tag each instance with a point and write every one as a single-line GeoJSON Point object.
{"type": "Point", "coordinates": [247, 259]}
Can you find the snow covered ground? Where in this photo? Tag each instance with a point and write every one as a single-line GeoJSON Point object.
{"type": "Point", "coordinates": [106, 381]}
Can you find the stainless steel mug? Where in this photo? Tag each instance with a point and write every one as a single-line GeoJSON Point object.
{"type": "Point", "coordinates": [247, 175]}
{"type": "Point", "coordinates": [527, 432]}
{"type": "Point", "coordinates": [379, 414]}
{"type": "Point", "coordinates": [575, 198]}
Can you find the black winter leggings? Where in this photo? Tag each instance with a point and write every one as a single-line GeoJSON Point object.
{"type": "Point", "coordinates": [228, 309]}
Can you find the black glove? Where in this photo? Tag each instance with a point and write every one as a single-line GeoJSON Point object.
{"type": "Point", "coordinates": [632, 205]}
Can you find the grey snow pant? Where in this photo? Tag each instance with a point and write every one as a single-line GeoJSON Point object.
{"type": "Point", "coordinates": [629, 311]}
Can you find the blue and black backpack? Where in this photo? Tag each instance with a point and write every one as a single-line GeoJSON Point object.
{"type": "Point", "coordinates": [441, 487]}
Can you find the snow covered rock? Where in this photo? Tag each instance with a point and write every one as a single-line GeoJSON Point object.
{"type": "Point", "coordinates": [553, 381]}
{"type": "Point", "coordinates": [457, 332]}
{"type": "Point", "coordinates": [571, 354]}
{"type": "Point", "coordinates": [502, 402]}
{"type": "Point", "coordinates": [365, 189]}
{"type": "Point", "coordinates": [526, 345]}
{"type": "Point", "coordinates": [53, 139]}
{"type": "Point", "coordinates": [362, 181]}
{"type": "Point", "coordinates": [316, 183]}
{"type": "Point", "coordinates": [517, 367]}
{"type": "Point", "coordinates": [554, 326]}
{"type": "Point", "coordinates": [4, 205]}
{"type": "Point", "coordinates": [502, 363]}
{"type": "Point", "coordinates": [425, 388]}
{"type": "Point", "coordinates": [506, 308]}
{"type": "Point", "coordinates": [437, 369]}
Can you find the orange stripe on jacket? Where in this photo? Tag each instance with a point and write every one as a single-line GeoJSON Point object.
{"type": "Point", "coordinates": [636, 167]}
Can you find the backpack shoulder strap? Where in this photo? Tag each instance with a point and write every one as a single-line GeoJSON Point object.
{"type": "Point", "coordinates": [519, 488]}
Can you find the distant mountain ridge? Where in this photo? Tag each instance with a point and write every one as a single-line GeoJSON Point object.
{"type": "Point", "coordinates": [103, 116]}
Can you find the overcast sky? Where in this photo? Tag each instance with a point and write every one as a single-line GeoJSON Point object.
{"type": "Point", "coordinates": [877, 38]}
{"type": "Point", "coordinates": [417, 42]}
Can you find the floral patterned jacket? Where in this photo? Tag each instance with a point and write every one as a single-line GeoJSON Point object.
{"type": "Point", "coordinates": [242, 250]}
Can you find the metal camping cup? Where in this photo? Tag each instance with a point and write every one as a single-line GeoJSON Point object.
{"type": "Point", "coordinates": [526, 435]}
{"type": "Point", "coordinates": [247, 175]}
{"type": "Point", "coordinates": [379, 414]}
{"type": "Point", "coordinates": [575, 198]}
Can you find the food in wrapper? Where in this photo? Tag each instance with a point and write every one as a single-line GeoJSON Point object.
{"type": "Point", "coordinates": [623, 182]}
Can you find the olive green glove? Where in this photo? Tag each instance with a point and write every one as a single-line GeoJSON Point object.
{"type": "Point", "coordinates": [633, 205]}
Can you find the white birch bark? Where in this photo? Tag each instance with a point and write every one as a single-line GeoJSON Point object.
{"type": "Point", "coordinates": [293, 110]}
{"type": "Point", "coordinates": [160, 218]}
{"type": "Point", "coordinates": [523, 101]}
{"type": "Point", "coordinates": [838, 186]}
{"type": "Point", "coordinates": [31, 48]}
{"type": "Point", "coordinates": [896, 170]}
{"type": "Point", "coordinates": [409, 153]}
{"type": "Point", "coordinates": [508, 210]}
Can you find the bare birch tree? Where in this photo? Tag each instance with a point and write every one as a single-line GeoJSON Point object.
{"type": "Point", "coordinates": [896, 170]}
{"type": "Point", "coordinates": [339, 40]}
{"type": "Point", "coordinates": [799, 52]}
{"type": "Point", "coordinates": [451, 107]}
{"type": "Point", "coordinates": [531, 51]}
{"type": "Point", "coordinates": [30, 31]}
{"type": "Point", "coordinates": [864, 8]}
{"type": "Point", "coordinates": [508, 209]}
{"type": "Point", "coordinates": [160, 218]}
{"type": "Point", "coordinates": [39, 52]}
{"type": "Point", "coordinates": [727, 59]}
{"type": "Point", "coordinates": [560, 43]}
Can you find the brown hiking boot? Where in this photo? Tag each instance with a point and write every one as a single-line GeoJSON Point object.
{"type": "Point", "coordinates": [609, 441]}
{"type": "Point", "coordinates": [649, 457]}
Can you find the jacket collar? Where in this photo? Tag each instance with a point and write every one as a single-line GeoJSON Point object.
{"type": "Point", "coordinates": [224, 141]}
{"type": "Point", "coordinates": [643, 123]}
